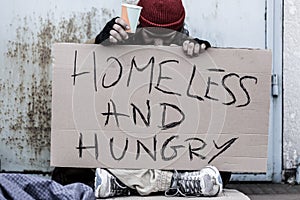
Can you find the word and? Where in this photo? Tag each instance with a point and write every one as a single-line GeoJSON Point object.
{"type": "Point", "coordinates": [112, 112]}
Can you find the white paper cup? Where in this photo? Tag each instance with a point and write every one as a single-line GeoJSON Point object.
{"type": "Point", "coordinates": [131, 14]}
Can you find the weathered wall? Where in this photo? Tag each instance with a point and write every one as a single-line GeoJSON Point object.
{"type": "Point", "coordinates": [29, 28]}
{"type": "Point", "coordinates": [291, 74]}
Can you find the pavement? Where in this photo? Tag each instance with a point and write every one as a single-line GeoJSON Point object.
{"type": "Point", "coordinates": [241, 191]}
{"type": "Point", "coordinates": [231, 194]}
{"type": "Point", "coordinates": [267, 191]}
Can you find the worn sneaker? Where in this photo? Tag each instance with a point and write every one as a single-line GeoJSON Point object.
{"type": "Point", "coordinates": [107, 185]}
{"type": "Point", "coordinates": [206, 182]}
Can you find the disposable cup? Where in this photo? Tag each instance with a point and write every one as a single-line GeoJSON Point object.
{"type": "Point", "coordinates": [131, 15]}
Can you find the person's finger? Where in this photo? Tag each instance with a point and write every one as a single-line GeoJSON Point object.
{"type": "Point", "coordinates": [122, 23]}
{"type": "Point", "coordinates": [112, 39]}
{"type": "Point", "coordinates": [202, 47]}
{"type": "Point", "coordinates": [115, 34]}
{"type": "Point", "coordinates": [190, 50]}
{"type": "Point", "coordinates": [120, 31]}
{"type": "Point", "coordinates": [197, 49]}
{"type": "Point", "coordinates": [185, 45]}
{"type": "Point", "coordinates": [121, 27]}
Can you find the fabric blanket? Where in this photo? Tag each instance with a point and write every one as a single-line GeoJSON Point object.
{"type": "Point", "coordinates": [21, 186]}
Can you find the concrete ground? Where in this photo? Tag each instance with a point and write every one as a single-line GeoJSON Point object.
{"type": "Point", "coordinates": [242, 191]}
{"type": "Point", "coordinates": [268, 191]}
{"type": "Point", "coordinates": [231, 194]}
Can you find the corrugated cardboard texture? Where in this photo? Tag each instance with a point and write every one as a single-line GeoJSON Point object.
{"type": "Point", "coordinates": [154, 107]}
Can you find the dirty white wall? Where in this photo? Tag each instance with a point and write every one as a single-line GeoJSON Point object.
{"type": "Point", "coordinates": [27, 31]}
{"type": "Point", "coordinates": [29, 28]}
{"type": "Point", "coordinates": [291, 74]}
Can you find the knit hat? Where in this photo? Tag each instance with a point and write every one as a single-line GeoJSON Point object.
{"type": "Point", "coordinates": [162, 13]}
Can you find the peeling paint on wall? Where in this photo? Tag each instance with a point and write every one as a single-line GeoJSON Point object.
{"type": "Point", "coordinates": [25, 85]}
{"type": "Point", "coordinates": [291, 73]}
{"type": "Point", "coordinates": [290, 154]}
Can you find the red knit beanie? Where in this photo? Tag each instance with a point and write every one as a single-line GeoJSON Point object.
{"type": "Point", "coordinates": [162, 13]}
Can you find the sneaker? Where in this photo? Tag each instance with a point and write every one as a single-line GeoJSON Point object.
{"type": "Point", "coordinates": [107, 185]}
{"type": "Point", "coordinates": [206, 182]}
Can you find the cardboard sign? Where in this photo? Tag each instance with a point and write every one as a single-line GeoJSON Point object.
{"type": "Point", "coordinates": [155, 107]}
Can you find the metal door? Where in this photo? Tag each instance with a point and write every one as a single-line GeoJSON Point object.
{"type": "Point", "coordinates": [247, 24]}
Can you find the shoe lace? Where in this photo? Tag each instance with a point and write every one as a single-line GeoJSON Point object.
{"type": "Point", "coordinates": [186, 184]}
{"type": "Point", "coordinates": [119, 189]}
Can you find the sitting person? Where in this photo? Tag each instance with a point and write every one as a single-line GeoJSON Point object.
{"type": "Point", "coordinates": [161, 23]}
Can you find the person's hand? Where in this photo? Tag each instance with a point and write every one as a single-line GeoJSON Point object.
{"type": "Point", "coordinates": [113, 32]}
{"type": "Point", "coordinates": [118, 32]}
{"type": "Point", "coordinates": [193, 48]}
